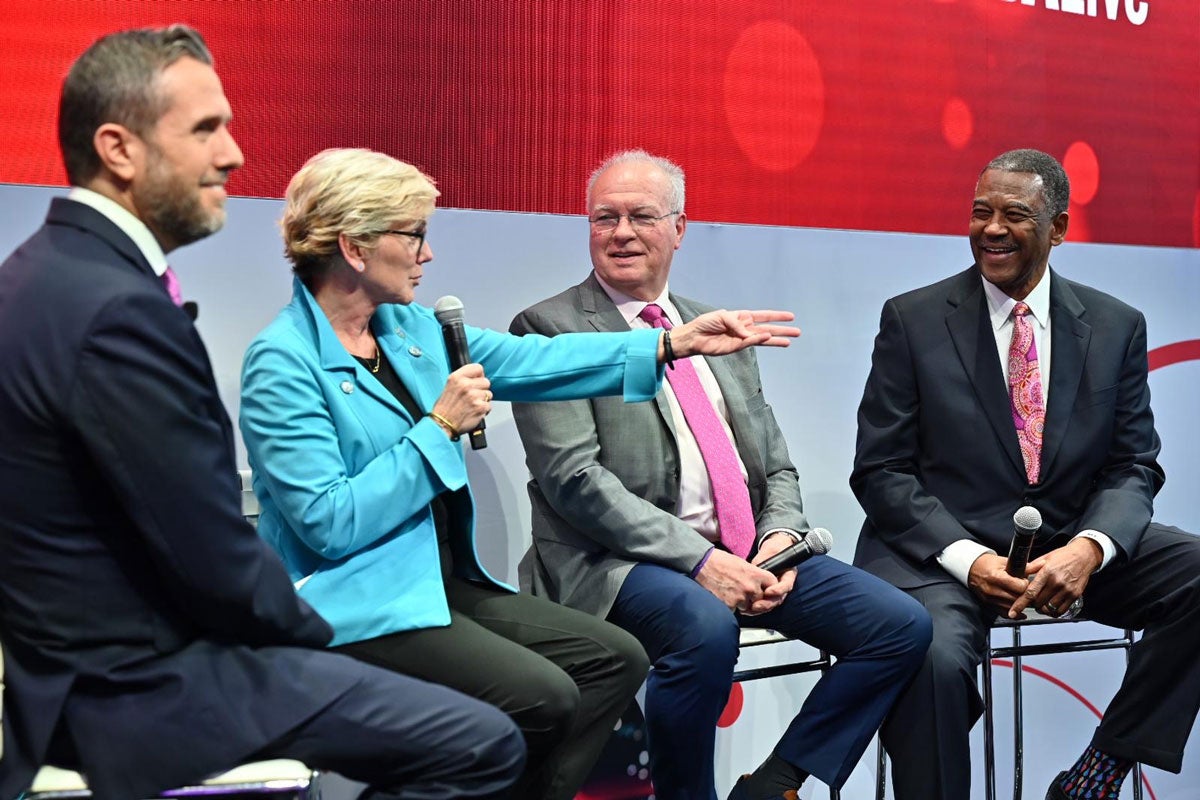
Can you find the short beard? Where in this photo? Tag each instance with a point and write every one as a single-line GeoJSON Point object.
{"type": "Point", "coordinates": [173, 210]}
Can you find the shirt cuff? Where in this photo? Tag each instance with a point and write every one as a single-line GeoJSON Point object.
{"type": "Point", "coordinates": [704, 560]}
{"type": "Point", "coordinates": [797, 537]}
{"type": "Point", "coordinates": [958, 557]}
{"type": "Point", "coordinates": [1105, 542]}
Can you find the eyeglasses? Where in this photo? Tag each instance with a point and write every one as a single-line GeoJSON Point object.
{"type": "Point", "coordinates": [609, 222]}
{"type": "Point", "coordinates": [418, 235]}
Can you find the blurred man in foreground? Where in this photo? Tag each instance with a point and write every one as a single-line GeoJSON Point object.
{"type": "Point", "coordinates": [150, 637]}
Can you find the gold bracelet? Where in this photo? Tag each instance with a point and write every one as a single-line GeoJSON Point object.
{"type": "Point", "coordinates": [445, 423]}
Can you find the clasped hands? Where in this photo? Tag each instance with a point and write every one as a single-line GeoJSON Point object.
{"type": "Point", "coordinates": [1054, 581]}
{"type": "Point", "coordinates": [743, 587]}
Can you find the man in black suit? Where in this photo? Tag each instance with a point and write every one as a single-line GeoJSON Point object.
{"type": "Point", "coordinates": [957, 430]}
{"type": "Point", "coordinates": [150, 637]}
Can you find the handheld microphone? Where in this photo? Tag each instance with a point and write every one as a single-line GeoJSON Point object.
{"type": "Point", "coordinates": [1026, 523]}
{"type": "Point", "coordinates": [449, 312]}
{"type": "Point", "coordinates": [816, 542]}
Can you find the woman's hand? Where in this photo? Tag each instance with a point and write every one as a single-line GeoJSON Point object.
{"type": "Point", "coordinates": [719, 332]}
{"type": "Point", "coordinates": [466, 399]}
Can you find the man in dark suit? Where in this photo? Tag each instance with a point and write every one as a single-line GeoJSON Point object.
{"type": "Point", "coordinates": [150, 637]}
{"type": "Point", "coordinates": [958, 429]}
{"type": "Point", "coordinates": [628, 522]}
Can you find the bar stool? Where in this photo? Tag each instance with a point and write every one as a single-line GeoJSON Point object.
{"type": "Point", "coordinates": [1017, 651]}
{"type": "Point", "coordinates": [755, 637]}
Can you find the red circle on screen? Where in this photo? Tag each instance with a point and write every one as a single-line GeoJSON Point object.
{"type": "Point", "coordinates": [957, 123]}
{"type": "Point", "coordinates": [733, 707]}
{"type": "Point", "coordinates": [1083, 168]}
{"type": "Point", "coordinates": [774, 95]}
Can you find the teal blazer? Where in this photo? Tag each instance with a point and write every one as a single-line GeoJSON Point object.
{"type": "Point", "coordinates": [345, 475]}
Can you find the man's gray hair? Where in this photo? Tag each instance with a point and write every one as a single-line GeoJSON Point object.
{"type": "Point", "coordinates": [116, 80]}
{"type": "Point", "coordinates": [674, 173]}
{"type": "Point", "coordinates": [1056, 187]}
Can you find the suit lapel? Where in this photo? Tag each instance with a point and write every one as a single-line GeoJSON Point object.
{"type": "Point", "coordinates": [1070, 337]}
{"type": "Point", "coordinates": [602, 315]}
{"type": "Point", "coordinates": [334, 357]}
{"type": "Point", "coordinates": [971, 331]}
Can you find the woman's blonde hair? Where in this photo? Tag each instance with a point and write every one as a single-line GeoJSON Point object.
{"type": "Point", "coordinates": [353, 191]}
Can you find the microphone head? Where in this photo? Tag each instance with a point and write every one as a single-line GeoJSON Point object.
{"type": "Point", "coordinates": [448, 309]}
{"type": "Point", "coordinates": [820, 541]}
{"type": "Point", "coordinates": [1028, 518]}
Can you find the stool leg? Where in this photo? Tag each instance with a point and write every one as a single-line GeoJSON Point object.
{"type": "Point", "coordinates": [880, 769]}
{"type": "Point", "coordinates": [989, 749]}
{"type": "Point", "coordinates": [1018, 719]}
{"type": "Point", "coordinates": [1137, 767]}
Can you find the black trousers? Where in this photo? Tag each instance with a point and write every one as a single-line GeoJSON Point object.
{"type": "Point", "coordinates": [564, 677]}
{"type": "Point", "coordinates": [1156, 591]}
{"type": "Point", "coordinates": [405, 738]}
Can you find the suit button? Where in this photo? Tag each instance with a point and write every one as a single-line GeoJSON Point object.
{"type": "Point", "coordinates": [347, 387]}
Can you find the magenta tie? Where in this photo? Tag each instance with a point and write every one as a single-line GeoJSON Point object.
{"type": "Point", "coordinates": [1025, 390]}
{"type": "Point", "coordinates": [735, 517]}
{"type": "Point", "coordinates": [171, 282]}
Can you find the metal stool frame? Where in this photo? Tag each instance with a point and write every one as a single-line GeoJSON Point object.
{"type": "Point", "coordinates": [754, 637]}
{"type": "Point", "coordinates": [1017, 651]}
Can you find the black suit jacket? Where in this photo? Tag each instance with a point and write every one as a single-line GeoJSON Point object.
{"type": "Point", "coordinates": [148, 632]}
{"type": "Point", "coordinates": [937, 457]}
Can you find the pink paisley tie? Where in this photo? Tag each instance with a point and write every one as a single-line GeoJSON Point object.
{"type": "Point", "coordinates": [735, 517]}
{"type": "Point", "coordinates": [171, 282]}
{"type": "Point", "coordinates": [1025, 390]}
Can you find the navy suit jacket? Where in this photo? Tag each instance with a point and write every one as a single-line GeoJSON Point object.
{"type": "Point", "coordinates": [150, 637]}
{"type": "Point", "coordinates": [938, 459]}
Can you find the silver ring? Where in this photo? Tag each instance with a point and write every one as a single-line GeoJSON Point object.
{"type": "Point", "coordinates": [1051, 607]}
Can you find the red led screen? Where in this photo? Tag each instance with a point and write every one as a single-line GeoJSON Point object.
{"type": "Point", "coordinates": [872, 114]}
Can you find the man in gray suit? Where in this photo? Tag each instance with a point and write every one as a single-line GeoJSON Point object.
{"type": "Point", "coordinates": [626, 523]}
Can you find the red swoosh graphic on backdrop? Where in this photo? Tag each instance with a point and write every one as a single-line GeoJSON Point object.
{"type": "Point", "coordinates": [1170, 354]}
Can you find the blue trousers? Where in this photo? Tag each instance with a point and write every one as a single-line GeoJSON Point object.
{"type": "Point", "coordinates": [877, 634]}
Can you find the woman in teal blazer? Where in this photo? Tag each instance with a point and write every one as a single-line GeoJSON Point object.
{"type": "Point", "coordinates": [351, 418]}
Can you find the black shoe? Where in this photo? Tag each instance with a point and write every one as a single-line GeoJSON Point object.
{"type": "Point", "coordinates": [1055, 792]}
{"type": "Point", "coordinates": [739, 792]}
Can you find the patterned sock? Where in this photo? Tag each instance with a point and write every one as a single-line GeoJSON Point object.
{"type": "Point", "coordinates": [774, 777]}
{"type": "Point", "coordinates": [1096, 776]}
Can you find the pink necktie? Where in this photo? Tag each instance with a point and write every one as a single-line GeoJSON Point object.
{"type": "Point", "coordinates": [730, 496]}
{"type": "Point", "coordinates": [1025, 390]}
{"type": "Point", "coordinates": [172, 283]}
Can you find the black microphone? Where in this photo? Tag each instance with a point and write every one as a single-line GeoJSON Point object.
{"type": "Point", "coordinates": [449, 312]}
{"type": "Point", "coordinates": [191, 309]}
{"type": "Point", "coordinates": [816, 542]}
{"type": "Point", "coordinates": [1026, 523]}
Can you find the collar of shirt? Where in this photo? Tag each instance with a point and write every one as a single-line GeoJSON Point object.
{"type": "Point", "coordinates": [631, 307]}
{"type": "Point", "coordinates": [129, 224]}
{"type": "Point", "coordinates": [1000, 305]}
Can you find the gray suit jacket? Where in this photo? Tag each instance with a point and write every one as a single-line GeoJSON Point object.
{"type": "Point", "coordinates": [606, 473]}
